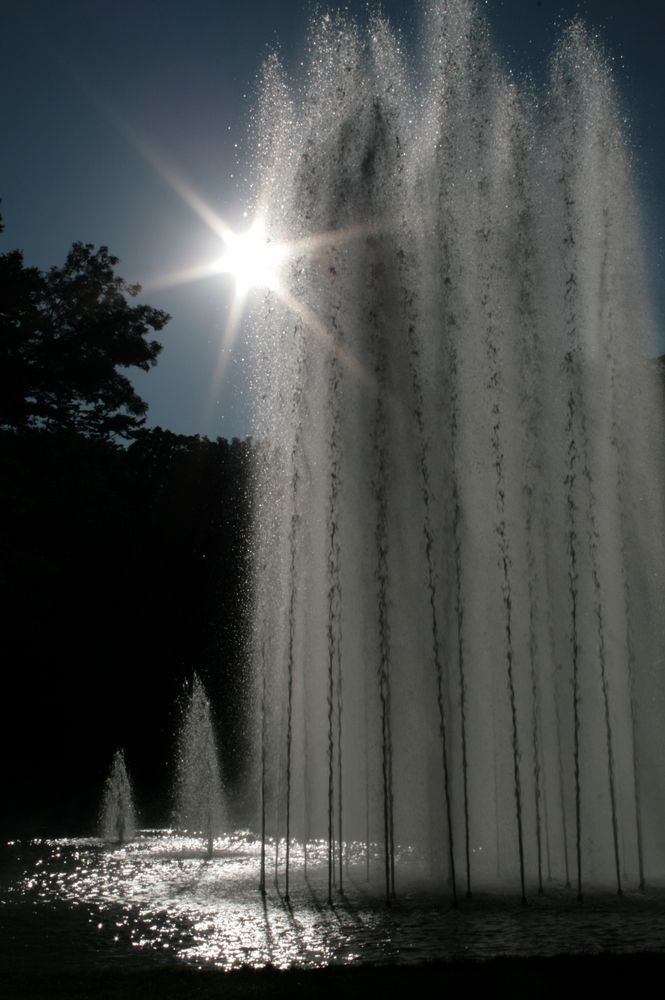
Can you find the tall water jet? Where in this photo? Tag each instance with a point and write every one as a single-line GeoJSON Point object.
{"type": "Point", "coordinates": [459, 535]}
{"type": "Point", "coordinates": [117, 822]}
{"type": "Point", "coordinates": [199, 797]}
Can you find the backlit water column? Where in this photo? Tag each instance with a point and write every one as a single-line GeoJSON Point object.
{"type": "Point", "coordinates": [199, 795]}
{"type": "Point", "coordinates": [458, 542]}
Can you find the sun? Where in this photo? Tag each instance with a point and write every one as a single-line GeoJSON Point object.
{"type": "Point", "coordinates": [251, 259]}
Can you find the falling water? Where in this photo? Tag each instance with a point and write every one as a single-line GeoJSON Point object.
{"type": "Point", "coordinates": [459, 498]}
{"type": "Point", "coordinates": [199, 797]}
{"type": "Point", "coordinates": [118, 817]}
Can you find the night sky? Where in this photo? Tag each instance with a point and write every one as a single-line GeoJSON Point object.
{"type": "Point", "coordinates": [96, 93]}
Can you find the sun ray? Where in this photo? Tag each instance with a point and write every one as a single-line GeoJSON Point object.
{"type": "Point", "coordinates": [224, 351]}
{"type": "Point", "coordinates": [253, 243]}
{"type": "Point", "coordinates": [314, 324]}
{"type": "Point", "coordinates": [331, 237]}
{"type": "Point", "coordinates": [196, 272]}
{"type": "Point", "coordinates": [177, 184]}
{"type": "Point", "coordinates": [251, 258]}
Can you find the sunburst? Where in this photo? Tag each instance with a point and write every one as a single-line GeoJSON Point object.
{"type": "Point", "coordinates": [252, 259]}
{"type": "Point", "coordinates": [256, 262]}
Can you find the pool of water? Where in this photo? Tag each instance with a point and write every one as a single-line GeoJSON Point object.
{"type": "Point", "coordinates": [160, 901]}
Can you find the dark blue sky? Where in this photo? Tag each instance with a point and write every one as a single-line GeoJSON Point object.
{"type": "Point", "coordinates": [78, 77]}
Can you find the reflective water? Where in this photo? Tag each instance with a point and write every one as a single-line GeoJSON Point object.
{"type": "Point", "coordinates": [161, 899]}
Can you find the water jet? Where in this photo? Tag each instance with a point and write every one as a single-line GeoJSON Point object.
{"type": "Point", "coordinates": [458, 546]}
{"type": "Point", "coordinates": [118, 817]}
{"type": "Point", "coordinates": [199, 797]}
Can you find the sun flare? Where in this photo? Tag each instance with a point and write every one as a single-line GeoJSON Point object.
{"type": "Point", "coordinates": [251, 259]}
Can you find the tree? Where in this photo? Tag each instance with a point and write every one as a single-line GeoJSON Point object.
{"type": "Point", "coordinates": [122, 570]}
{"type": "Point", "coordinates": [64, 335]}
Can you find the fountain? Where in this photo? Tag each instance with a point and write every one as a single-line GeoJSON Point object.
{"type": "Point", "coordinates": [199, 798]}
{"type": "Point", "coordinates": [456, 650]}
{"type": "Point", "coordinates": [457, 646]}
{"type": "Point", "coordinates": [117, 821]}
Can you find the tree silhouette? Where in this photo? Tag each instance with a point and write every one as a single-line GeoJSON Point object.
{"type": "Point", "coordinates": [122, 569]}
{"type": "Point", "coordinates": [64, 334]}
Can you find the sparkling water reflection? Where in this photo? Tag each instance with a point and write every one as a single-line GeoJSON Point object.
{"type": "Point", "coordinates": [163, 898]}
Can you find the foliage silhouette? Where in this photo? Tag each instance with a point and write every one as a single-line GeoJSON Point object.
{"type": "Point", "coordinates": [122, 570]}
{"type": "Point", "coordinates": [123, 551]}
{"type": "Point", "coordinates": [64, 335]}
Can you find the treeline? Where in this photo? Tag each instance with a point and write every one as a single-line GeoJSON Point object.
{"type": "Point", "coordinates": [123, 571]}
{"type": "Point", "coordinates": [123, 551]}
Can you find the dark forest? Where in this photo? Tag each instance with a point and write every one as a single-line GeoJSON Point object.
{"type": "Point", "coordinates": [123, 562]}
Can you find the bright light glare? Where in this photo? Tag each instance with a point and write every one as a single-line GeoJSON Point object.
{"type": "Point", "coordinates": [251, 259]}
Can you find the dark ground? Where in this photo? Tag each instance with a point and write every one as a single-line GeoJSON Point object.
{"type": "Point", "coordinates": [528, 978]}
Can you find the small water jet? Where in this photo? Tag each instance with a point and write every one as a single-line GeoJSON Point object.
{"type": "Point", "coordinates": [117, 823]}
{"type": "Point", "coordinates": [199, 796]}
{"type": "Point", "coordinates": [459, 533]}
